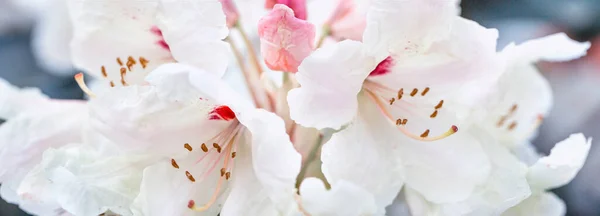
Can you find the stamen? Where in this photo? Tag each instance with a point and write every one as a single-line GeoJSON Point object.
{"type": "Point", "coordinates": [404, 121]}
{"type": "Point", "coordinates": [501, 121]}
{"type": "Point", "coordinates": [414, 92]}
{"type": "Point", "coordinates": [188, 147]}
{"type": "Point", "coordinates": [104, 74]}
{"type": "Point", "coordinates": [119, 62]}
{"type": "Point", "coordinates": [513, 108]}
{"type": "Point", "coordinates": [223, 171]}
{"type": "Point", "coordinates": [190, 177]}
{"type": "Point", "coordinates": [112, 84]}
{"type": "Point", "coordinates": [144, 62]}
{"type": "Point", "coordinates": [512, 126]}
{"type": "Point", "coordinates": [217, 147]}
{"type": "Point", "coordinates": [425, 91]}
{"type": "Point", "coordinates": [233, 155]}
{"type": "Point", "coordinates": [392, 101]}
{"type": "Point", "coordinates": [174, 163]}
{"type": "Point", "coordinates": [398, 121]}
{"type": "Point", "coordinates": [434, 114]}
{"type": "Point", "coordinates": [440, 104]}
{"type": "Point", "coordinates": [400, 93]}
{"type": "Point", "coordinates": [204, 148]}
{"type": "Point", "coordinates": [130, 62]}
{"type": "Point", "coordinates": [425, 134]}
{"type": "Point", "coordinates": [83, 86]}
{"type": "Point", "coordinates": [123, 72]}
{"type": "Point", "coordinates": [227, 175]}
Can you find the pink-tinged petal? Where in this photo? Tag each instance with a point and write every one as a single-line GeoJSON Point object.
{"type": "Point", "coordinates": [231, 13]}
{"type": "Point", "coordinates": [298, 6]}
{"type": "Point", "coordinates": [347, 22]}
{"type": "Point", "coordinates": [285, 40]}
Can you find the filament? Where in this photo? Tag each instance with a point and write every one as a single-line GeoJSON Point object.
{"type": "Point", "coordinates": [83, 86]}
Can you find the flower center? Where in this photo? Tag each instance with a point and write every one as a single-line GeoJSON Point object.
{"type": "Point", "coordinates": [371, 88]}
{"type": "Point", "coordinates": [218, 150]}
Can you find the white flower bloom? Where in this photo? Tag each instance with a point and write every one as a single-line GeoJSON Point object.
{"type": "Point", "coordinates": [555, 170]}
{"type": "Point", "coordinates": [523, 96]}
{"type": "Point", "coordinates": [34, 124]}
{"type": "Point", "coordinates": [122, 41]}
{"type": "Point", "coordinates": [419, 71]}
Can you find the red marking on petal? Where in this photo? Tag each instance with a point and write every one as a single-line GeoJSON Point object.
{"type": "Point", "coordinates": [155, 30]}
{"type": "Point", "coordinates": [383, 67]}
{"type": "Point", "coordinates": [164, 45]}
{"type": "Point", "coordinates": [222, 113]}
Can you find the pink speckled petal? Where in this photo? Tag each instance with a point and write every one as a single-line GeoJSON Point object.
{"type": "Point", "coordinates": [298, 6]}
{"type": "Point", "coordinates": [285, 40]}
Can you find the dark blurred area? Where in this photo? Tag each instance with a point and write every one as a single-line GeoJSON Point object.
{"type": "Point", "coordinates": [576, 84]}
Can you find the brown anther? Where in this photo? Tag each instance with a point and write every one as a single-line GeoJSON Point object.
{"type": "Point", "coordinates": [188, 147]}
{"type": "Point", "coordinates": [144, 62]}
{"type": "Point", "coordinates": [440, 104]}
{"type": "Point", "coordinates": [501, 121]}
{"type": "Point", "coordinates": [174, 163]}
{"type": "Point", "coordinates": [425, 91]}
{"type": "Point", "coordinates": [130, 62]}
{"type": "Point", "coordinates": [112, 84]}
{"type": "Point", "coordinates": [414, 92]}
{"type": "Point", "coordinates": [222, 171]}
{"type": "Point", "coordinates": [119, 62]}
{"type": "Point", "coordinates": [204, 148]}
{"type": "Point", "coordinates": [227, 175]}
{"type": "Point", "coordinates": [434, 114]}
{"type": "Point", "coordinates": [190, 177]}
{"type": "Point", "coordinates": [392, 101]}
{"type": "Point", "coordinates": [217, 147]}
{"type": "Point", "coordinates": [104, 74]}
{"type": "Point", "coordinates": [233, 154]}
{"type": "Point", "coordinates": [398, 121]}
{"type": "Point", "coordinates": [513, 108]}
{"type": "Point", "coordinates": [400, 93]}
{"type": "Point", "coordinates": [512, 126]}
{"type": "Point", "coordinates": [425, 134]}
{"type": "Point", "coordinates": [404, 121]}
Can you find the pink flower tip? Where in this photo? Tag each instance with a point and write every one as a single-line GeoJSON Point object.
{"type": "Point", "coordinates": [298, 6]}
{"type": "Point", "coordinates": [231, 13]}
{"type": "Point", "coordinates": [284, 39]}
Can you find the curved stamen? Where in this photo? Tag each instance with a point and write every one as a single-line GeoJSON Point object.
{"type": "Point", "coordinates": [83, 86]}
{"type": "Point", "coordinates": [399, 124]}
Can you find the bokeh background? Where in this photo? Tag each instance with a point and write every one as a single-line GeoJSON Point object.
{"type": "Point", "coordinates": [576, 84]}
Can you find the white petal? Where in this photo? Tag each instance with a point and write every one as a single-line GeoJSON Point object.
{"type": "Point", "coordinates": [560, 167]}
{"type": "Point", "coordinates": [446, 170]}
{"type": "Point", "coordinates": [556, 47]}
{"type": "Point", "coordinates": [15, 100]}
{"type": "Point", "coordinates": [275, 161]}
{"type": "Point", "coordinates": [401, 26]}
{"type": "Point", "coordinates": [194, 31]}
{"type": "Point", "coordinates": [84, 183]}
{"type": "Point", "coordinates": [365, 154]}
{"type": "Point", "coordinates": [330, 79]}
{"type": "Point", "coordinates": [344, 199]}
{"type": "Point", "coordinates": [51, 37]}
{"type": "Point", "coordinates": [542, 204]}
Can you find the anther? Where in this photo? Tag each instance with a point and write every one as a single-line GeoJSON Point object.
{"type": "Point", "coordinates": [144, 62]}
{"type": "Point", "coordinates": [119, 62]}
{"type": "Point", "coordinates": [425, 134]}
{"type": "Point", "coordinates": [392, 101]}
{"type": "Point", "coordinates": [434, 114]}
{"type": "Point", "coordinates": [174, 163]}
{"type": "Point", "coordinates": [130, 62]}
{"type": "Point", "coordinates": [513, 108]}
{"type": "Point", "coordinates": [233, 155]}
{"type": "Point", "coordinates": [217, 147]}
{"type": "Point", "coordinates": [398, 121]}
{"type": "Point", "coordinates": [123, 72]}
{"type": "Point", "coordinates": [82, 85]}
{"type": "Point", "coordinates": [425, 91]}
{"type": "Point", "coordinates": [501, 121]}
{"type": "Point", "coordinates": [190, 177]}
{"type": "Point", "coordinates": [414, 92]}
{"type": "Point", "coordinates": [104, 74]}
{"type": "Point", "coordinates": [227, 175]}
{"type": "Point", "coordinates": [404, 121]}
{"type": "Point", "coordinates": [400, 93]}
{"type": "Point", "coordinates": [188, 147]}
{"type": "Point", "coordinates": [439, 105]}
{"type": "Point", "coordinates": [204, 148]}
{"type": "Point", "coordinates": [112, 84]}
{"type": "Point", "coordinates": [222, 171]}
{"type": "Point", "coordinates": [512, 126]}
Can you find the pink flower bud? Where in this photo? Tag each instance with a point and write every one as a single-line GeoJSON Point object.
{"type": "Point", "coordinates": [285, 40]}
{"type": "Point", "coordinates": [231, 12]}
{"type": "Point", "coordinates": [298, 6]}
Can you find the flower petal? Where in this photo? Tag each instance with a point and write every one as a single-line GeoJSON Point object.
{"type": "Point", "coordinates": [541, 204]}
{"type": "Point", "coordinates": [330, 79]}
{"type": "Point", "coordinates": [365, 154]}
{"type": "Point", "coordinates": [556, 47]}
{"type": "Point", "coordinates": [51, 38]}
{"type": "Point", "coordinates": [343, 199]}
{"type": "Point", "coordinates": [560, 167]}
{"type": "Point", "coordinates": [15, 100]}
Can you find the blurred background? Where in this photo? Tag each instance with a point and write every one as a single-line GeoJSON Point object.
{"type": "Point", "coordinates": [576, 84]}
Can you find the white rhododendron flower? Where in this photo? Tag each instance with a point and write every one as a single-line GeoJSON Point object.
{"type": "Point", "coordinates": [122, 41]}
{"type": "Point", "coordinates": [523, 96]}
{"type": "Point", "coordinates": [412, 76]}
{"type": "Point", "coordinates": [33, 124]}
{"type": "Point", "coordinates": [553, 171]}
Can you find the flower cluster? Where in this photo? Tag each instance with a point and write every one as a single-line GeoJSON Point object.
{"type": "Point", "coordinates": [399, 107]}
